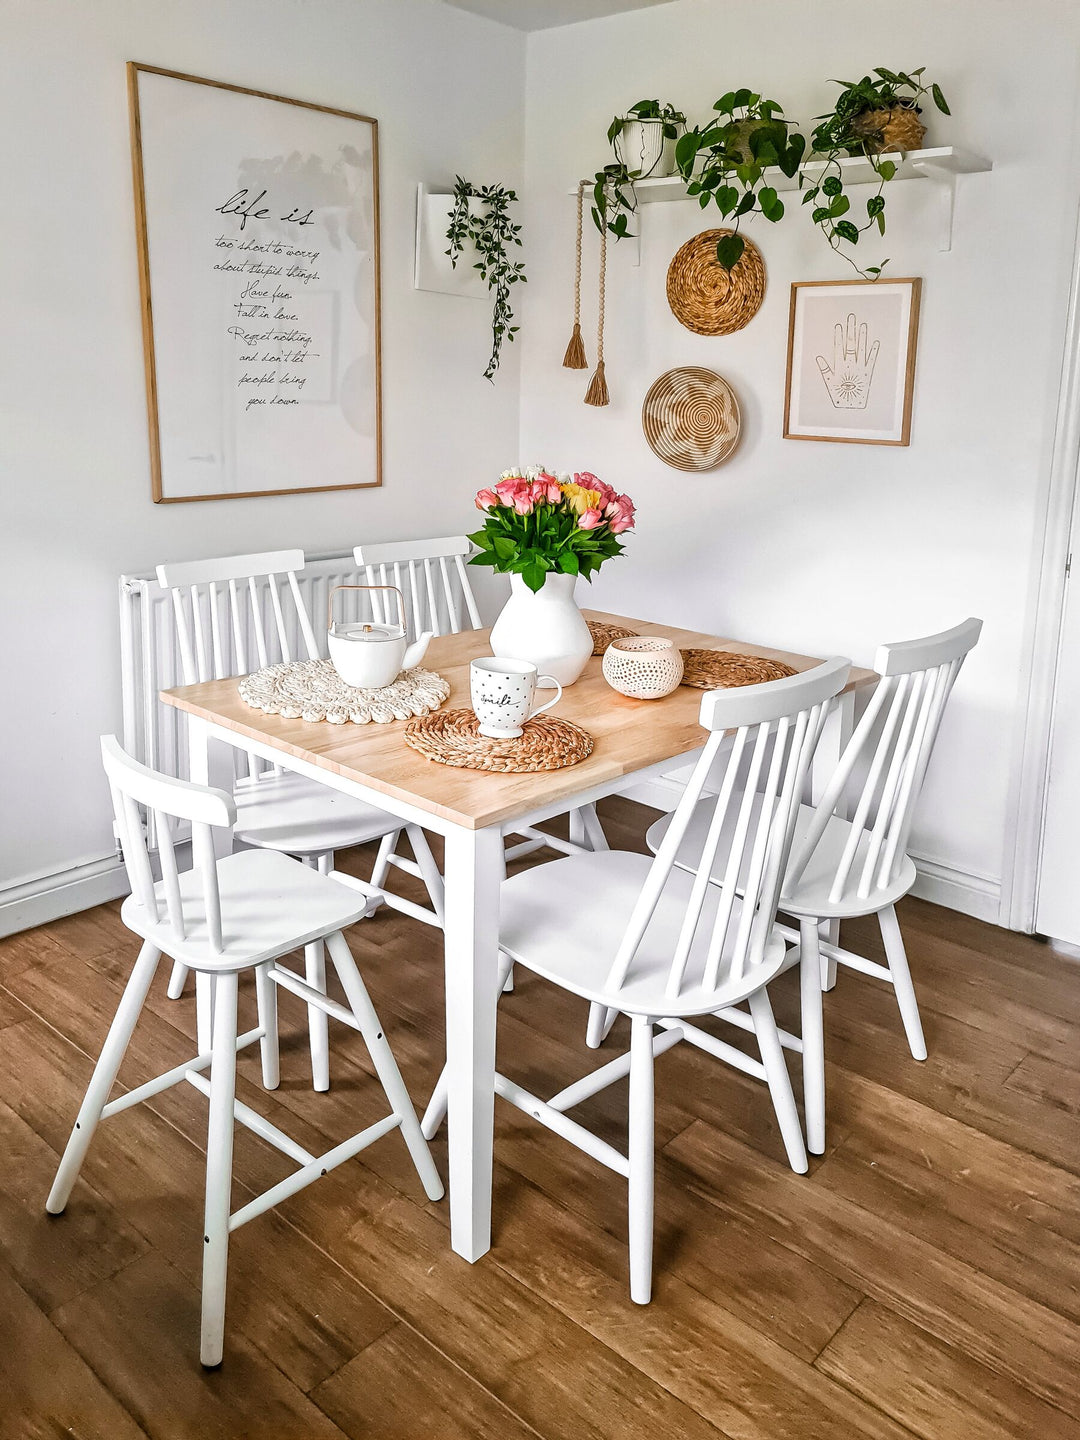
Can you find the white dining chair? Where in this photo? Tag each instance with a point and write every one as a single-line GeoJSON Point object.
{"type": "Point", "coordinates": [659, 943]}
{"type": "Point", "coordinates": [241, 912]}
{"type": "Point", "coordinates": [238, 613]}
{"type": "Point", "coordinates": [849, 856]}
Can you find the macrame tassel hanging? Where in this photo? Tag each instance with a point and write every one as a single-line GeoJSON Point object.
{"type": "Point", "coordinates": [574, 359]}
{"type": "Point", "coordinates": [597, 393]}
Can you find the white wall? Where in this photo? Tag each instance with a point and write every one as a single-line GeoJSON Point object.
{"type": "Point", "coordinates": [831, 548]}
{"type": "Point", "coordinates": [446, 88]}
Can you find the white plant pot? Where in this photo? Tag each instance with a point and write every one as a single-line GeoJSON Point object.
{"type": "Point", "coordinates": [545, 628]}
{"type": "Point", "coordinates": [641, 147]}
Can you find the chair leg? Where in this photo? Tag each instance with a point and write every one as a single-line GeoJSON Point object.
{"type": "Point", "coordinates": [318, 1026]}
{"type": "Point", "coordinates": [266, 995]}
{"type": "Point", "coordinates": [642, 1161]}
{"type": "Point", "coordinates": [104, 1076]}
{"type": "Point", "coordinates": [177, 980]}
{"type": "Point", "coordinates": [435, 1113]}
{"type": "Point", "coordinates": [813, 1036]}
{"type": "Point", "coordinates": [433, 881]}
{"type": "Point", "coordinates": [776, 1072]}
{"type": "Point", "coordinates": [601, 1019]}
{"type": "Point", "coordinates": [902, 983]}
{"type": "Point", "coordinates": [382, 1057]}
{"type": "Point", "coordinates": [219, 1150]}
{"type": "Point", "coordinates": [387, 846]}
{"type": "Point", "coordinates": [594, 831]}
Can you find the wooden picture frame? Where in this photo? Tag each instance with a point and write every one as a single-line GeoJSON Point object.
{"type": "Point", "coordinates": [851, 360]}
{"type": "Point", "coordinates": [257, 228]}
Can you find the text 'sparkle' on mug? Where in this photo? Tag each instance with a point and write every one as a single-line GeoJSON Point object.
{"type": "Point", "coordinates": [502, 695]}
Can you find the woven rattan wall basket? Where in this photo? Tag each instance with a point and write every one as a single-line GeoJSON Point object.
{"type": "Point", "coordinates": [704, 296]}
{"type": "Point", "coordinates": [691, 418]}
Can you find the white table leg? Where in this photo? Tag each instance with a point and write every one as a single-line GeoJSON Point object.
{"type": "Point", "coordinates": [205, 767]}
{"type": "Point", "coordinates": [834, 739]}
{"type": "Point", "coordinates": [473, 871]}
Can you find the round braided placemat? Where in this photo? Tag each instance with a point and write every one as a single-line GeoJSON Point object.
{"type": "Point", "coordinates": [313, 690]}
{"type": "Point", "coordinates": [713, 669]}
{"type": "Point", "coordinates": [704, 296]}
{"type": "Point", "coordinates": [603, 635]}
{"type": "Point", "coordinates": [691, 418]}
{"type": "Point", "coordinates": [452, 737]}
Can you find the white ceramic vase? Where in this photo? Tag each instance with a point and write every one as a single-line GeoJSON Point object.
{"type": "Point", "coordinates": [545, 628]}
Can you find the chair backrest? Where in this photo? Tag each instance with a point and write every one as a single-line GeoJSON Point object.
{"type": "Point", "coordinates": [168, 800]}
{"type": "Point", "coordinates": [221, 620]}
{"type": "Point", "coordinates": [431, 576]}
{"type": "Point", "coordinates": [891, 746]}
{"type": "Point", "coordinates": [776, 727]}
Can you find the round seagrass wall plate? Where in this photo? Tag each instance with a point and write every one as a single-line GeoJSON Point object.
{"type": "Point", "coordinates": [704, 296]}
{"type": "Point", "coordinates": [691, 418]}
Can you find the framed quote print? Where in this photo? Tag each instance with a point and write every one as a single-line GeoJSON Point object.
{"type": "Point", "coordinates": [851, 361]}
{"type": "Point", "coordinates": [257, 221]}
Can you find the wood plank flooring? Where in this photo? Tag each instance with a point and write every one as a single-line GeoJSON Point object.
{"type": "Point", "coordinates": [922, 1280]}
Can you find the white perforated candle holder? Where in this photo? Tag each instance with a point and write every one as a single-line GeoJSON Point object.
{"type": "Point", "coordinates": [643, 667]}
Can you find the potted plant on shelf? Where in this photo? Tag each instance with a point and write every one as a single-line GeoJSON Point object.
{"type": "Point", "coordinates": [871, 117]}
{"type": "Point", "coordinates": [644, 143]}
{"type": "Point", "coordinates": [492, 231]}
{"type": "Point", "coordinates": [544, 531]}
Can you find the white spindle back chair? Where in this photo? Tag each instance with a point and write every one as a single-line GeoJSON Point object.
{"type": "Point", "coordinates": [238, 613]}
{"type": "Point", "coordinates": [648, 938]}
{"type": "Point", "coordinates": [431, 575]}
{"type": "Point", "coordinates": [242, 911]}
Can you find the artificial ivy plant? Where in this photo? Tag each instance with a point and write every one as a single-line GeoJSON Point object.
{"type": "Point", "coordinates": [489, 226]}
{"type": "Point", "coordinates": [724, 161]}
{"type": "Point", "coordinates": [871, 116]}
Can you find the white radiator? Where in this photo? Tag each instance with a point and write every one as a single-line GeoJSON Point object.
{"type": "Point", "coordinates": [155, 733]}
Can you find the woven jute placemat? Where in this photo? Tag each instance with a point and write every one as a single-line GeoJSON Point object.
{"type": "Point", "coordinates": [452, 737]}
{"type": "Point", "coordinates": [710, 669]}
{"type": "Point", "coordinates": [704, 296]}
{"type": "Point", "coordinates": [603, 635]}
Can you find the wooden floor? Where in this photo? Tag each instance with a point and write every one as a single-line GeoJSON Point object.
{"type": "Point", "coordinates": [924, 1279]}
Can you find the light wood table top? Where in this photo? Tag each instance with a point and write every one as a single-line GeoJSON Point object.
{"type": "Point", "coordinates": [629, 735]}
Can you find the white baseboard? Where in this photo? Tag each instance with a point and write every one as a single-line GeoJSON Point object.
{"type": "Point", "coordinates": [48, 897]}
{"type": "Point", "coordinates": [975, 895]}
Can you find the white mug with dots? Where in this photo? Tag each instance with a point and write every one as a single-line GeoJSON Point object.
{"type": "Point", "coordinates": [502, 695]}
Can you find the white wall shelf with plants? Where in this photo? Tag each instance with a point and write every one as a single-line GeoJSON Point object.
{"type": "Point", "coordinates": [941, 164]}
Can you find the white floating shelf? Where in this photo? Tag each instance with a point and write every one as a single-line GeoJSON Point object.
{"type": "Point", "coordinates": [942, 165]}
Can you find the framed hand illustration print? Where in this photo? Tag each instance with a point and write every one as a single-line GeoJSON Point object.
{"type": "Point", "coordinates": [257, 221]}
{"type": "Point", "coordinates": [851, 361]}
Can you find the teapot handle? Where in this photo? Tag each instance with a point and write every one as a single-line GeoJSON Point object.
{"type": "Point", "coordinates": [336, 588]}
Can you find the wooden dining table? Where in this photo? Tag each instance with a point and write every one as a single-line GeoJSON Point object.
{"type": "Point", "coordinates": [635, 741]}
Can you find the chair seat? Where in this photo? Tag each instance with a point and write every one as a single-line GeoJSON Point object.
{"type": "Point", "coordinates": [564, 921]}
{"type": "Point", "coordinates": [810, 896]}
{"type": "Point", "coordinates": [300, 816]}
{"type": "Point", "coordinates": [270, 905]}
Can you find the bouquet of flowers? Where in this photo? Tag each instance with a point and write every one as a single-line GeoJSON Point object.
{"type": "Point", "coordinates": [536, 522]}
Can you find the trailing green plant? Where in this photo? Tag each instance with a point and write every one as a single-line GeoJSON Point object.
{"type": "Point", "coordinates": [614, 196]}
{"type": "Point", "coordinates": [724, 162]}
{"type": "Point", "coordinates": [871, 117]}
{"type": "Point", "coordinates": [492, 231]}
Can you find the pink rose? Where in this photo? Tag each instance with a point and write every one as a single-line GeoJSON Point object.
{"type": "Point", "coordinates": [546, 488]}
{"type": "Point", "coordinates": [590, 520]}
{"type": "Point", "coordinates": [523, 502]}
{"type": "Point", "coordinates": [621, 523]}
{"type": "Point", "coordinates": [486, 499]}
{"type": "Point", "coordinates": [506, 489]}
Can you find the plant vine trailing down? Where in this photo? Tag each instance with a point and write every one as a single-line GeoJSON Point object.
{"type": "Point", "coordinates": [492, 231]}
{"type": "Point", "coordinates": [870, 115]}
{"type": "Point", "coordinates": [749, 134]}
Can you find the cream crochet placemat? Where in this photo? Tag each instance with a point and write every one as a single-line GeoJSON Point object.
{"type": "Point", "coordinates": [313, 690]}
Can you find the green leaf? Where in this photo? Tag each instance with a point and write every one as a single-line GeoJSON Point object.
{"type": "Point", "coordinates": [746, 204]}
{"type": "Point", "coordinates": [614, 129]}
{"type": "Point", "coordinates": [741, 98]}
{"type": "Point", "coordinates": [568, 563]}
{"type": "Point", "coordinates": [486, 557]}
{"type": "Point", "coordinates": [726, 103]}
{"type": "Point", "coordinates": [839, 206]}
{"type": "Point", "coordinates": [534, 576]}
{"type": "Point", "coordinates": [727, 197]}
{"type": "Point", "coordinates": [504, 547]}
{"type": "Point", "coordinates": [772, 207]}
{"type": "Point", "coordinates": [881, 222]}
{"type": "Point", "coordinates": [887, 169]}
{"type": "Point", "coordinates": [939, 99]}
{"type": "Point", "coordinates": [729, 250]}
{"type": "Point", "coordinates": [820, 214]}
{"type": "Point", "coordinates": [847, 231]}
{"type": "Point", "coordinates": [832, 185]}
{"type": "Point", "coordinates": [875, 205]}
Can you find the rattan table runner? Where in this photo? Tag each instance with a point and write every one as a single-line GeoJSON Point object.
{"type": "Point", "coordinates": [452, 737]}
{"type": "Point", "coordinates": [313, 690]}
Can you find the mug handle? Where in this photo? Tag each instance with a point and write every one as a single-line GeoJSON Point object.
{"type": "Point", "coordinates": [554, 699]}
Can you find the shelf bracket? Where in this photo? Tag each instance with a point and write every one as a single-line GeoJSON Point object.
{"type": "Point", "coordinates": [944, 178]}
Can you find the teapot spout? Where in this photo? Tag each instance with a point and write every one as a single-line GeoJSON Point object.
{"type": "Point", "coordinates": [417, 650]}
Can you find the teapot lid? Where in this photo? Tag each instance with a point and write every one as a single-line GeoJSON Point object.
{"type": "Point", "coordinates": [368, 631]}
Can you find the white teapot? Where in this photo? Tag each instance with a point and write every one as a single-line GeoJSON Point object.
{"type": "Point", "coordinates": [371, 654]}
